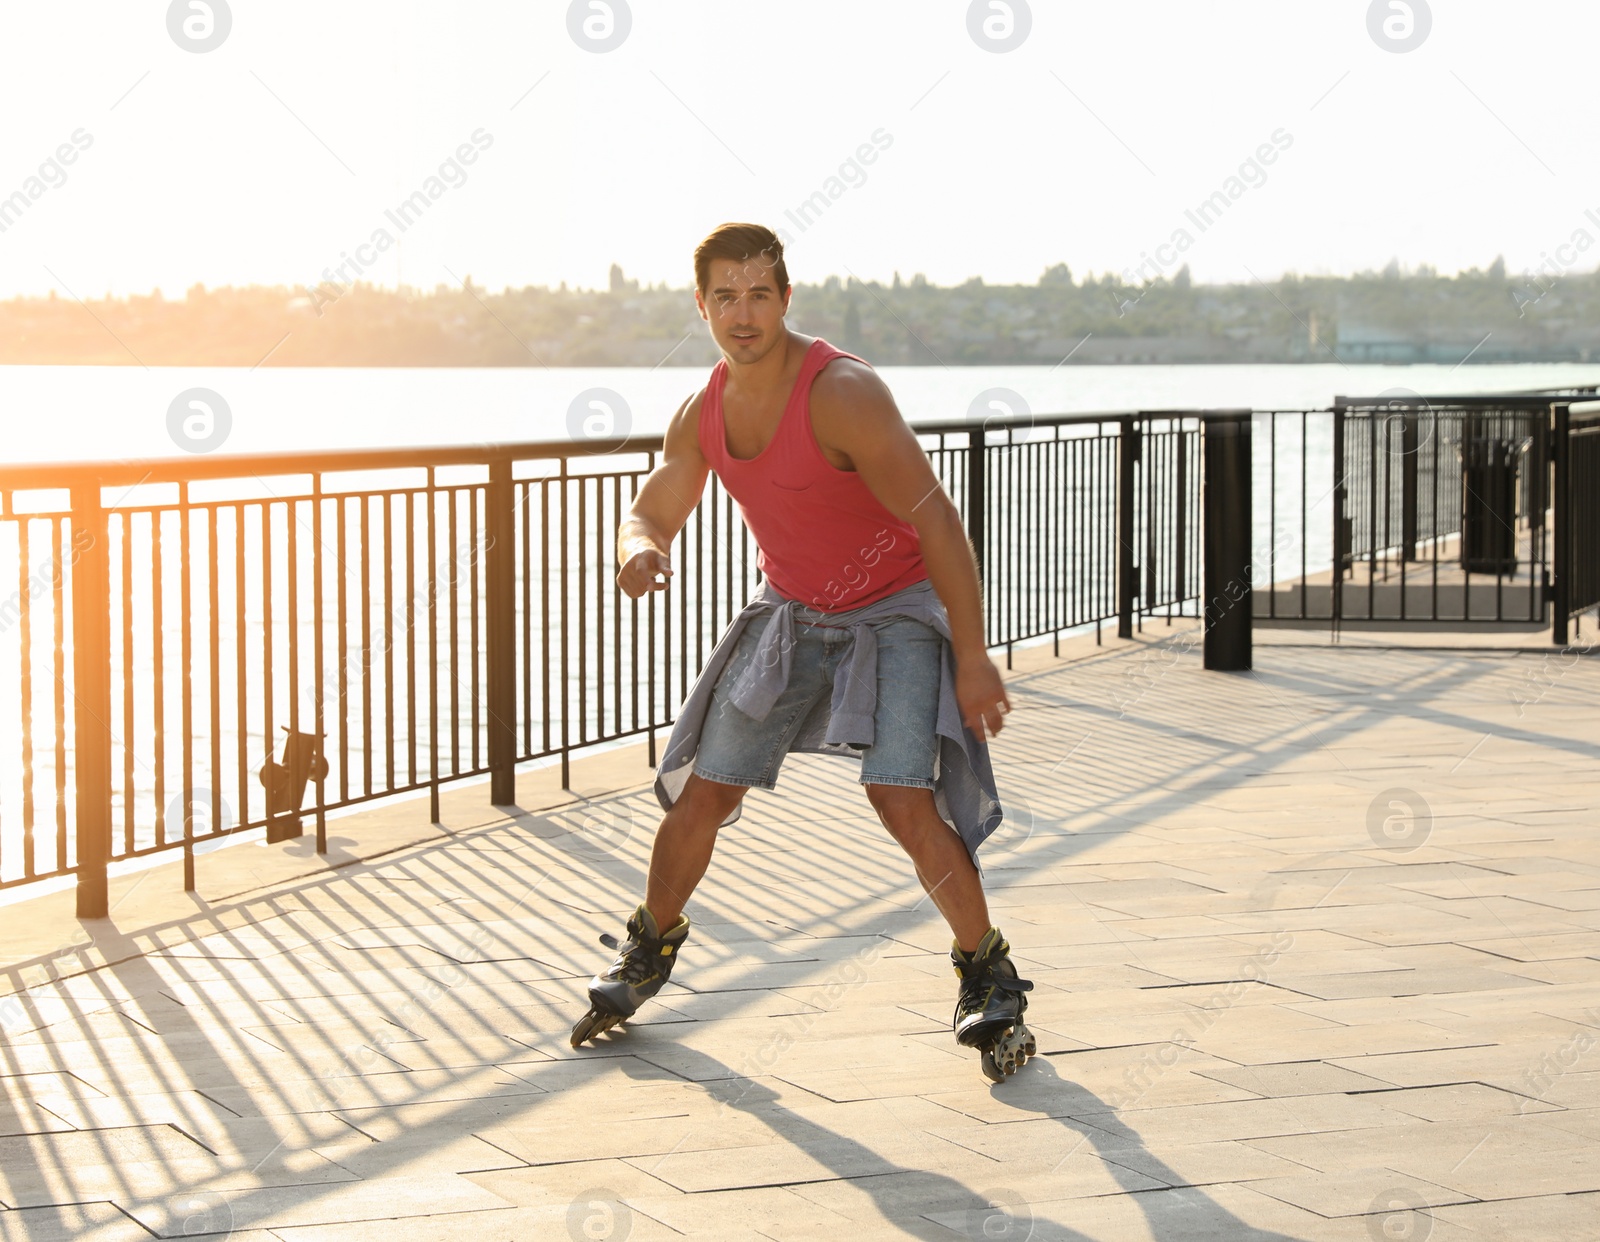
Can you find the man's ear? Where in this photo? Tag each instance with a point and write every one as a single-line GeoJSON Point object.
{"type": "Point", "coordinates": [787, 294]}
{"type": "Point", "coordinates": [700, 305]}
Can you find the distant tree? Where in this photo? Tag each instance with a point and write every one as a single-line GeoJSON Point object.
{"type": "Point", "coordinates": [1183, 280]}
{"type": "Point", "coordinates": [1391, 270]}
{"type": "Point", "coordinates": [618, 283]}
{"type": "Point", "coordinates": [1497, 269]}
{"type": "Point", "coordinates": [919, 281]}
{"type": "Point", "coordinates": [897, 278]}
{"type": "Point", "coordinates": [1058, 275]}
{"type": "Point", "coordinates": [852, 326]}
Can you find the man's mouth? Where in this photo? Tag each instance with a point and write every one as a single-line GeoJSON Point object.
{"type": "Point", "coordinates": [744, 334]}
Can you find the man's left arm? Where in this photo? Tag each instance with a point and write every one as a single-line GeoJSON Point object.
{"type": "Point", "coordinates": [853, 413]}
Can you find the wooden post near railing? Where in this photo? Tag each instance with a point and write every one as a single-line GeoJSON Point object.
{"type": "Point", "coordinates": [91, 692]}
{"type": "Point", "coordinates": [500, 570]}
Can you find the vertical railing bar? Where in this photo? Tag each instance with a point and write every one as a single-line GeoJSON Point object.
{"type": "Point", "coordinates": [124, 596]}
{"type": "Point", "coordinates": [433, 650]}
{"type": "Point", "coordinates": [388, 499]}
{"type": "Point", "coordinates": [291, 524]}
{"type": "Point", "coordinates": [158, 667]}
{"type": "Point", "coordinates": [544, 608]}
{"type": "Point", "coordinates": [582, 632]}
{"type": "Point", "coordinates": [609, 578]}
{"type": "Point", "coordinates": [452, 504]}
{"type": "Point", "coordinates": [241, 658]}
{"type": "Point", "coordinates": [633, 622]}
{"type": "Point", "coordinates": [342, 634]}
{"type": "Point", "coordinates": [319, 655]}
{"type": "Point", "coordinates": [413, 776]}
{"type": "Point", "coordinates": [267, 650]}
{"type": "Point", "coordinates": [214, 637]}
{"type": "Point", "coordinates": [564, 506]}
{"type": "Point", "coordinates": [364, 561]}
{"type": "Point", "coordinates": [524, 505]}
{"type": "Point", "coordinates": [186, 672]}
{"type": "Point", "coordinates": [58, 592]}
{"type": "Point", "coordinates": [475, 567]}
{"type": "Point", "coordinates": [25, 686]}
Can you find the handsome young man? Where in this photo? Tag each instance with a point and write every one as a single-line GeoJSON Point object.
{"type": "Point", "coordinates": [870, 594]}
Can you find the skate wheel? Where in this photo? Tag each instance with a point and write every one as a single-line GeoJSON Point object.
{"type": "Point", "coordinates": [1008, 1053]}
{"type": "Point", "coordinates": [591, 1024]}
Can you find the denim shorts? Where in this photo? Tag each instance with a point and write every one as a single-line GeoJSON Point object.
{"type": "Point", "coordinates": [738, 750]}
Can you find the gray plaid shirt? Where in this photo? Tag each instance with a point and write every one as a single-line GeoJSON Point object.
{"type": "Point", "coordinates": [964, 788]}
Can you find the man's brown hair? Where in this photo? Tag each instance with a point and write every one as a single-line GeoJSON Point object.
{"type": "Point", "coordinates": [743, 243]}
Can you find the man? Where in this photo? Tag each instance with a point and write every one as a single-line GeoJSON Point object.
{"type": "Point", "coordinates": [870, 592]}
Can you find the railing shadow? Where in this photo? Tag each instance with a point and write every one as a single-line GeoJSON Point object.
{"type": "Point", "coordinates": [197, 1061]}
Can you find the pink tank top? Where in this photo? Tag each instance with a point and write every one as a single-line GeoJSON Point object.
{"type": "Point", "coordinates": [824, 538]}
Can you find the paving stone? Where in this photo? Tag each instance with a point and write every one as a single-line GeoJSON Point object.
{"type": "Point", "coordinates": [1534, 1218]}
{"type": "Point", "coordinates": [77, 1222]}
{"type": "Point", "coordinates": [1296, 1078]}
{"type": "Point", "coordinates": [284, 1207]}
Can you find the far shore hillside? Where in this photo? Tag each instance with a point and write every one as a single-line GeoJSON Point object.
{"type": "Point", "coordinates": [1391, 316]}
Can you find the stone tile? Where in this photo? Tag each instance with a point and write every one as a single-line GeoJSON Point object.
{"type": "Point", "coordinates": [1295, 1078]}
{"type": "Point", "coordinates": [1467, 1102]}
{"type": "Point", "coordinates": [285, 1207]}
{"type": "Point", "coordinates": [1535, 1218]}
{"type": "Point", "coordinates": [78, 1222]}
{"type": "Point", "coordinates": [1357, 1192]}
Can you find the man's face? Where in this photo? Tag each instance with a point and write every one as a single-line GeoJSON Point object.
{"type": "Point", "coordinates": [742, 304]}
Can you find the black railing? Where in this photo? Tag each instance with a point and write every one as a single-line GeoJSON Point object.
{"type": "Point", "coordinates": [410, 618]}
{"type": "Point", "coordinates": [1410, 509]}
{"type": "Point", "coordinates": [1577, 513]}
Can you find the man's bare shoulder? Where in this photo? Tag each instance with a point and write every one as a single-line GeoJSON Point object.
{"type": "Point", "coordinates": [852, 407]}
{"type": "Point", "coordinates": [849, 392]}
{"type": "Point", "coordinates": [683, 432]}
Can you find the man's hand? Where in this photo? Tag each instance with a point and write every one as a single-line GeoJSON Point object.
{"type": "Point", "coordinates": [638, 576]}
{"type": "Point", "coordinates": [981, 695]}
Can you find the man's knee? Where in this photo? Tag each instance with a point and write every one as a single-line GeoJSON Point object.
{"type": "Point", "coordinates": [710, 799]}
{"type": "Point", "coordinates": [900, 807]}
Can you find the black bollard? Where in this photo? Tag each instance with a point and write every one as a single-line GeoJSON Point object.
{"type": "Point", "coordinates": [1225, 498]}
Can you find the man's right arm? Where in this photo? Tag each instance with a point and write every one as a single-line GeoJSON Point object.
{"type": "Point", "coordinates": [663, 505]}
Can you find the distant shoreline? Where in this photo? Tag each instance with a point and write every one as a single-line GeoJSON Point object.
{"type": "Point", "coordinates": [1474, 318]}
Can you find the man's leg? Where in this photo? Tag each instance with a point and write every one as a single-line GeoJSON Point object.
{"type": "Point", "coordinates": [683, 845]}
{"type": "Point", "coordinates": [943, 865]}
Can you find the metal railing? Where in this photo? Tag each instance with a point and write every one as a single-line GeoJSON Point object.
{"type": "Point", "coordinates": [412, 618]}
{"type": "Point", "coordinates": [1410, 509]}
{"type": "Point", "coordinates": [1577, 513]}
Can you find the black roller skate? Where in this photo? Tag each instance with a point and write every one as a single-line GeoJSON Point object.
{"type": "Point", "coordinates": [644, 962]}
{"type": "Point", "coordinates": [989, 1010]}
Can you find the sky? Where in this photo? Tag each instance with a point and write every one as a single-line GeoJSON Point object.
{"type": "Point", "coordinates": [269, 147]}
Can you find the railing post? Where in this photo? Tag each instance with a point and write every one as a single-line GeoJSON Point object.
{"type": "Point", "coordinates": [1409, 444]}
{"type": "Point", "coordinates": [1343, 534]}
{"type": "Point", "coordinates": [977, 495]}
{"type": "Point", "coordinates": [1561, 452]}
{"type": "Point", "coordinates": [500, 599]}
{"type": "Point", "coordinates": [1226, 499]}
{"type": "Point", "coordinates": [91, 686]}
{"type": "Point", "coordinates": [1127, 572]}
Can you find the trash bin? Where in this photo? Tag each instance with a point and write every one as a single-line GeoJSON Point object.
{"type": "Point", "coordinates": [1489, 505]}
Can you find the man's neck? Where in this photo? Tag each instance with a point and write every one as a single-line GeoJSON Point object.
{"type": "Point", "coordinates": [767, 372]}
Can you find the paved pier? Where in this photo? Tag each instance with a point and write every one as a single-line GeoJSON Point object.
{"type": "Point", "coordinates": [1317, 955]}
